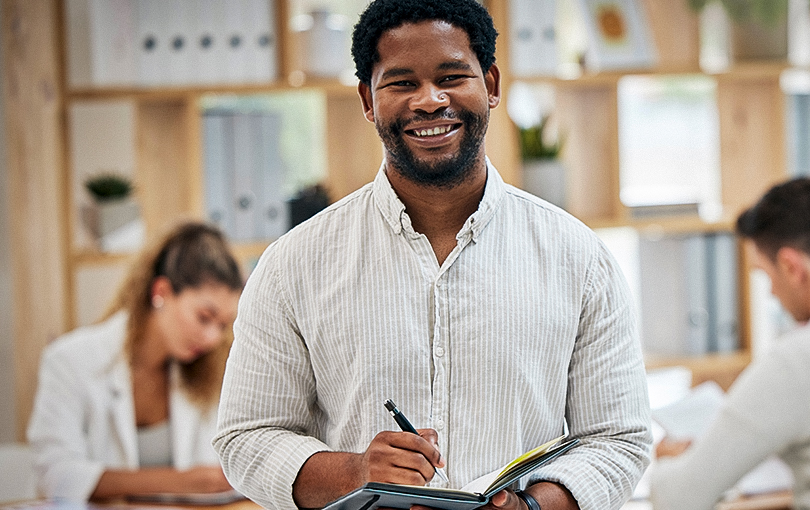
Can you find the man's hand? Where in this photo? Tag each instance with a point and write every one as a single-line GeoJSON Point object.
{"type": "Point", "coordinates": [671, 447]}
{"type": "Point", "coordinates": [401, 457]}
{"type": "Point", "coordinates": [392, 457]}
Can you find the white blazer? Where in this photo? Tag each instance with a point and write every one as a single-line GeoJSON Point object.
{"type": "Point", "coordinates": [84, 414]}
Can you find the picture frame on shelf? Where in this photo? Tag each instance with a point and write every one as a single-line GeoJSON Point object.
{"type": "Point", "coordinates": [619, 35]}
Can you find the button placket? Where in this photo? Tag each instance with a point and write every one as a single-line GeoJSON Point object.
{"type": "Point", "coordinates": [441, 385]}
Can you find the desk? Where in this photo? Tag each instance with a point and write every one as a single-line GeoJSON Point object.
{"type": "Point", "coordinates": [773, 501]}
{"type": "Point", "coordinates": [245, 504]}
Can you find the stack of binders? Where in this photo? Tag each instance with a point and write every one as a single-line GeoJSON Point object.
{"type": "Point", "coordinates": [151, 43]}
{"type": "Point", "coordinates": [244, 174]}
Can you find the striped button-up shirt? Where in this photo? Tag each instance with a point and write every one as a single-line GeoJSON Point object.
{"type": "Point", "coordinates": [526, 326]}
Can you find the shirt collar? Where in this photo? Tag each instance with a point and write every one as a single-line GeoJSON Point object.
{"type": "Point", "coordinates": [393, 210]}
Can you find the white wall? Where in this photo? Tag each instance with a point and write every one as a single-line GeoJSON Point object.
{"type": "Point", "coordinates": [7, 397]}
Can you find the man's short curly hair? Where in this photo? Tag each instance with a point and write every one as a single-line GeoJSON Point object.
{"type": "Point", "coordinates": [383, 15]}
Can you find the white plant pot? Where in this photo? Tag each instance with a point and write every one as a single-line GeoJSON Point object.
{"type": "Point", "coordinates": [324, 46]}
{"type": "Point", "coordinates": [114, 214]}
{"type": "Point", "coordinates": [545, 178]}
{"type": "Point", "coordinates": [116, 224]}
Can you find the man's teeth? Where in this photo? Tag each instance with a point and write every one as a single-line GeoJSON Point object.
{"type": "Point", "coordinates": [433, 131]}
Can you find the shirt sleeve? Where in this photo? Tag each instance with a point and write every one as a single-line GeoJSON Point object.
{"type": "Point", "coordinates": [758, 418]}
{"type": "Point", "coordinates": [266, 422]}
{"type": "Point", "coordinates": [607, 406]}
{"type": "Point", "coordinates": [56, 433]}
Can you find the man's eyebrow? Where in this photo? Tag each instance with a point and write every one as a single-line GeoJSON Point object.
{"type": "Point", "coordinates": [455, 65]}
{"type": "Point", "coordinates": [396, 72]}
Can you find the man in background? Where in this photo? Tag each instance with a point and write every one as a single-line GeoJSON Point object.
{"type": "Point", "coordinates": [494, 319]}
{"type": "Point", "coordinates": [766, 411]}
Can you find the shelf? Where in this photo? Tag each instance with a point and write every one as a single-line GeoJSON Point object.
{"type": "Point", "coordinates": [670, 224]}
{"type": "Point", "coordinates": [331, 88]}
{"type": "Point", "coordinates": [721, 368]}
{"type": "Point", "coordinates": [94, 257]}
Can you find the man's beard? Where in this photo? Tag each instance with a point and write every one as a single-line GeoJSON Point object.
{"type": "Point", "coordinates": [444, 173]}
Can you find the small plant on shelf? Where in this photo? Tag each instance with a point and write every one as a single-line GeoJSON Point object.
{"type": "Point", "coordinates": [108, 186]}
{"type": "Point", "coordinates": [539, 142]}
{"type": "Point", "coordinates": [114, 218]}
{"type": "Point", "coordinates": [543, 172]}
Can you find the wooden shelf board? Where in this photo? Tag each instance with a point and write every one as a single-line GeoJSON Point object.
{"type": "Point", "coordinates": [91, 257]}
{"type": "Point", "coordinates": [329, 87]}
{"type": "Point", "coordinates": [722, 368]}
{"type": "Point", "coordinates": [671, 224]}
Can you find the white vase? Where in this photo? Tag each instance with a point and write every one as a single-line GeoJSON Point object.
{"type": "Point", "coordinates": [324, 45]}
{"type": "Point", "coordinates": [545, 178]}
{"type": "Point", "coordinates": [799, 32]}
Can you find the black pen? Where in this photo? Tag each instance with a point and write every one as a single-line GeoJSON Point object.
{"type": "Point", "coordinates": [406, 426]}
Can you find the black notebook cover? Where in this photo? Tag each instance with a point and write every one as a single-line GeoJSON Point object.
{"type": "Point", "coordinates": [387, 495]}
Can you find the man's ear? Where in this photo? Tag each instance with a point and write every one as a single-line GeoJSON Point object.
{"type": "Point", "coordinates": [795, 264]}
{"type": "Point", "coordinates": [366, 100]}
{"type": "Point", "coordinates": [492, 78]}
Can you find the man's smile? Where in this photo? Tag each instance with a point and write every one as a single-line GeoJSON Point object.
{"type": "Point", "coordinates": [433, 131]}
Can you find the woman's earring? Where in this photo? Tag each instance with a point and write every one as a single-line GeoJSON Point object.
{"type": "Point", "coordinates": [157, 301]}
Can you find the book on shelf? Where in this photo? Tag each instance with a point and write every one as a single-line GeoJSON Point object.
{"type": "Point", "coordinates": [473, 495]}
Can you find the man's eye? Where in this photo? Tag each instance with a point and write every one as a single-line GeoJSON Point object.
{"type": "Point", "coordinates": [453, 77]}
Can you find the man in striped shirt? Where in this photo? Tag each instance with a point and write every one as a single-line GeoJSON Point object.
{"type": "Point", "coordinates": [494, 319]}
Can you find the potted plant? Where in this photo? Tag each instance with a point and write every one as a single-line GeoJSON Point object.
{"type": "Point", "coordinates": [758, 28]}
{"type": "Point", "coordinates": [113, 205]}
{"type": "Point", "coordinates": [543, 172]}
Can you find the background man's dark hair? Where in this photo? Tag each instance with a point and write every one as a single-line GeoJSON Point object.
{"type": "Point", "coordinates": [781, 218]}
{"type": "Point", "coordinates": [383, 15]}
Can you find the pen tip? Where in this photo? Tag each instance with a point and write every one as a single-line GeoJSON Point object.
{"type": "Point", "coordinates": [390, 405]}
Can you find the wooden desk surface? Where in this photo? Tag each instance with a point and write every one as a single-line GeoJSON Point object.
{"type": "Point", "coordinates": [773, 501]}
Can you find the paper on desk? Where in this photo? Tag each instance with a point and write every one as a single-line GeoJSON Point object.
{"type": "Point", "coordinates": [690, 416]}
{"type": "Point", "coordinates": [771, 475]}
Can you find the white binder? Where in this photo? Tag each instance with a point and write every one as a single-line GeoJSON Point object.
{"type": "Point", "coordinates": [273, 217]}
{"type": "Point", "coordinates": [209, 42]}
{"type": "Point", "coordinates": [243, 199]}
{"type": "Point", "coordinates": [726, 302]}
{"type": "Point", "coordinates": [216, 172]}
{"type": "Point", "coordinates": [236, 20]}
{"type": "Point", "coordinates": [180, 16]}
{"type": "Point", "coordinates": [261, 42]}
{"type": "Point", "coordinates": [113, 42]}
{"type": "Point", "coordinates": [152, 42]}
{"type": "Point", "coordinates": [699, 309]}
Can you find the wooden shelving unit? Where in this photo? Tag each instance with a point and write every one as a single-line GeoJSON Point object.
{"type": "Point", "coordinates": [168, 154]}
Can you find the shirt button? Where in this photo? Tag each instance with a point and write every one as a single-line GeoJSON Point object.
{"type": "Point", "coordinates": [439, 352]}
{"type": "Point", "coordinates": [440, 424]}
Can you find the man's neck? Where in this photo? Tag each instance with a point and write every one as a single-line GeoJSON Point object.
{"type": "Point", "coordinates": [439, 213]}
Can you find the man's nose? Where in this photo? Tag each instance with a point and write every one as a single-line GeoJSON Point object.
{"type": "Point", "coordinates": [430, 99]}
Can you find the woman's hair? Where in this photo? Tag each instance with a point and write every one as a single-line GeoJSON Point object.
{"type": "Point", "coordinates": [780, 218]}
{"type": "Point", "coordinates": [190, 255]}
{"type": "Point", "coordinates": [383, 15]}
